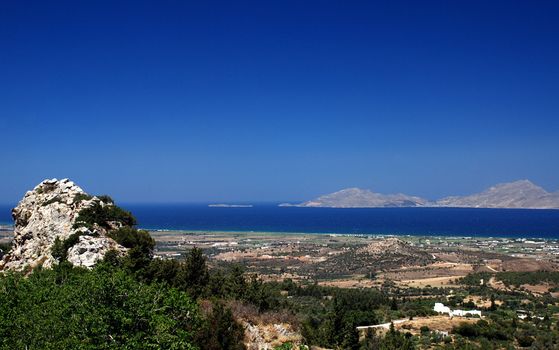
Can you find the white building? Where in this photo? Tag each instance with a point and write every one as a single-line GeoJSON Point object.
{"type": "Point", "coordinates": [442, 309]}
{"type": "Point", "coordinates": [465, 313]}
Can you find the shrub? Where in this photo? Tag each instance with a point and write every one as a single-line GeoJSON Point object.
{"type": "Point", "coordinates": [140, 245]}
{"type": "Point", "coordinates": [525, 341]}
{"type": "Point", "coordinates": [4, 248]}
{"type": "Point", "coordinates": [81, 197]}
{"type": "Point", "coordinates": [106, 199]}
{"type": "Point", "coordinates": [466, 330]}
{"type": "Point", "coordinates": [103, 215]}
{"type": "Point", "coordinates": [130, 237]}
{"type": "Point", "coordinates": [220, 330]}
{"type": "Point", "coordinates": [59, 250]}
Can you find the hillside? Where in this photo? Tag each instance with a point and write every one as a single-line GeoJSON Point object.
{"type": "Point", "coordinates": [385, 254]}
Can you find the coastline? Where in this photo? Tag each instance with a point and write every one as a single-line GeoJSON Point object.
{"type": "Point", "coordinates": [347, 234]}
{"type": "Point", "coordinates": [8, 228]}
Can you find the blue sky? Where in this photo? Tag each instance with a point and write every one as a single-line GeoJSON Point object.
{"type": "Point", "coordinates": [180, 101]}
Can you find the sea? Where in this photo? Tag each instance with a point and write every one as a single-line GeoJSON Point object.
{"type": "Point", "coordinates": [268, 217]}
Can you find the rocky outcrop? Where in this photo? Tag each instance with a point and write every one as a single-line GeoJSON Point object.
{"type": "Point", "coordinates": [89, 250]}
{"type": "Point", "coordinates": [48, 214]}
{"type": "Point", "coordinates": [270, 336]}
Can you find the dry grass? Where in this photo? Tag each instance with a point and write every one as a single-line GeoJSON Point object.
{"type": "Point", "coordinates": [250, 313]}
{"type": "Point", "coordinates": [433, 282]}
{"type": "Point", "coordinates": [481, 302]}
{"type": "Point", "coordinates": [528, 265]}
{"type": "Point", "coordinates": [439, 323]}
{"type": "Point", "coordinates": [357, 282]}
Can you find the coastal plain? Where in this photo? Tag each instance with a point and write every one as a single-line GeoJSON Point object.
{"type": "Point", "coordinates": [361, 261]}
{"type": "Point", "coordinates": [357, 261]}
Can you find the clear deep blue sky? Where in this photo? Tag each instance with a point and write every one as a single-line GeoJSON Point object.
{"type": "Point", "coordinates": [277, 100]}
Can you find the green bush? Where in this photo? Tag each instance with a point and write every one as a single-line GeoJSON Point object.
{"type": "Point", "coordinates": [467, 330]}
{"type": "Point", "coordinates": [103, 215]}
{"type": "Point", "coordinates": [4, 248]}
{"type": "Point", "coordinates": [106, 199]}
{"type": "Point", "coordinates": [59, 250]}
{"type": "Point", "coordinates": [140, 247]}
{"type": "Point", "coordinates": [130, 237]}
{"type": "Point", "coordinates": [81, 197]}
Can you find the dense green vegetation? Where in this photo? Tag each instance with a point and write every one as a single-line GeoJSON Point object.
{"type": "Point", "coordinates": [511, 278]}
{"type": "Point", "coordinates": [520, 278]}
{"type": "Point", "coordinates": [70, 308]}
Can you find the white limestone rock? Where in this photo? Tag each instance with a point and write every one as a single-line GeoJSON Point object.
{"type": "Point", "coordinates": [270, 336]}
{"type": "Point", "coordinates": [89, 250]}
{"type": "Point", "coordinates": [44, 214]}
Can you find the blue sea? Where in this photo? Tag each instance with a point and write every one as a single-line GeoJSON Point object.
{"type": "Point", "coordinates": [394, 221]}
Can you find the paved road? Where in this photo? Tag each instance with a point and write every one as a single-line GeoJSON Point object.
{"type": "Point", "coordinates": [384, 325]}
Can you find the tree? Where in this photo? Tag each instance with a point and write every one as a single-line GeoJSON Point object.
{"type": "Point", "coordinates": [371, 341]}
{"type": "Point", "coordinates": [221, 331]}
{"type": "Point", "coordinates": [493, 306]}
{"type": "Point", "coordinates": [193, 274]}
{"type": "Point", "coordinates": [394, 304]}
{"type": "Point", "coordinates": [350, 339]}
{"type": "Point", "coordinates": [140, 247]}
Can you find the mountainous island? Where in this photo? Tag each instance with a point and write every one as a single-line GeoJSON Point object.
{"type": "Point", "coordinates": [517, 194]}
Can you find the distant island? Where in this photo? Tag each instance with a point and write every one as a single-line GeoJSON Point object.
{"type": "Point", "coordinates": [517, 194]}
{"type": "Point", "coordinates": [230, 205]}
